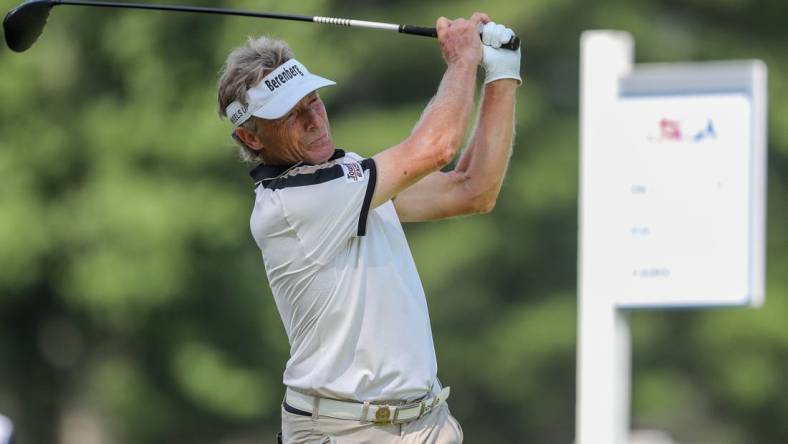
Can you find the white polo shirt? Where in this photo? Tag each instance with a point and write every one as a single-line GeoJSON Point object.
{"type": "Point", "coordinates": [344, 282]}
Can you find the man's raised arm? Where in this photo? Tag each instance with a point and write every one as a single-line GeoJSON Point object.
{"type": "Point", "coordinates": [438, 134]}
{"type": "Point", "coordinates": [473, 186]}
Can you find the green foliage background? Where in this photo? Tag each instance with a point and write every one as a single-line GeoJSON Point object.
{"type": "Point", "coordinates": [134, 306]}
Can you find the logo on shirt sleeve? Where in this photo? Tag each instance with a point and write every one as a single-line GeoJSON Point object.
{"type": "Point", "coordinates": [353, 171]}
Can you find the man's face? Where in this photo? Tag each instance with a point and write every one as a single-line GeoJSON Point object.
{"type": "Point", "coordinates": [301, 135]}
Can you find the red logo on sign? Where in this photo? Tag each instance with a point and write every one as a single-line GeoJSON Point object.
{"type": "Point", "coordinates": [670, 129]}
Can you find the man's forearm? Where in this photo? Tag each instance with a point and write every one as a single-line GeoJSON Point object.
{"type": "Point", "coordinates": [486, 157]}
{"type": "Point", "coordinates": [445, 119]}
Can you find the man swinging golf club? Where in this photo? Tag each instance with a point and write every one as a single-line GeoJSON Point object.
{"type": "Point", "coordinates": [362, 364]}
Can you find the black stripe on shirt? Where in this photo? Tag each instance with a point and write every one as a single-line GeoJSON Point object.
{"type": "Point", "coordinates": [265, 172]}
{"type": "Point", "coordinates": [367, 164]}
{"type": "Point", "coordinates": [299, 180]}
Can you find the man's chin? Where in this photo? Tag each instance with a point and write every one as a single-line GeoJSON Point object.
{"type": "Point", "coordinates": [322, 152]}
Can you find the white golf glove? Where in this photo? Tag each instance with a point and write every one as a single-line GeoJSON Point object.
{"type": "Point", "coordinates": [499, 63]}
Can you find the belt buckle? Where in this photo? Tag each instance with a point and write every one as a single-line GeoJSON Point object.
{"type": "Point", "coordinates": [383, 415]}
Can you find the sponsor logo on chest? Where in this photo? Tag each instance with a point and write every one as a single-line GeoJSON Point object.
{"type": "Point", "coordinates": [353, 171]}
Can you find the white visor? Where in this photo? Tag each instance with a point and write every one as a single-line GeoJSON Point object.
{"type": "Point", "coordinates": [277, 93]}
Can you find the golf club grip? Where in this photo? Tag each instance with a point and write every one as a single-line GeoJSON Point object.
{"type": "Point", "coordinates": [514, 43]}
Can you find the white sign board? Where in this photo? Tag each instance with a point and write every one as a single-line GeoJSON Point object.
{"type": "Point", "coordinates": [672, 205]}
{"type": "Point", "coordinates": [678, 194]}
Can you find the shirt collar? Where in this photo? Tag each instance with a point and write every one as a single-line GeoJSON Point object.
{"type": "Point", "coordinates": [263, 172]}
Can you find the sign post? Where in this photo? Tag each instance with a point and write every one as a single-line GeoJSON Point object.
{"type": "Point", "coordinates": [672, 206]}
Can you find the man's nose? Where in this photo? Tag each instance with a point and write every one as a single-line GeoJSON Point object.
{"type": "Point", "coordinates": [312, 119]}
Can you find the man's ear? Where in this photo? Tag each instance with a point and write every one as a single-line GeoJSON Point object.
{"type": "Point", "coordinates": [249, 138]}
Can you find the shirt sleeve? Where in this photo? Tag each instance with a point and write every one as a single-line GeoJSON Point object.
{"type": "Point", "coordinates": [329, 207]}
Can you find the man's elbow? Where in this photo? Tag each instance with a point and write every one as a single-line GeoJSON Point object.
{"type": "Point", "coordinates": [442, 155]}
{"type": "Point", "coordinates": [486, 205]}
{"type": "Point", "coordinates": [489, 205]}
{"type": "Point", "coordinates": [445, 148]}
{"type": "Point", "coordinates": [438, 150]}
{"type": "Point", "coordinates": [482, 203]}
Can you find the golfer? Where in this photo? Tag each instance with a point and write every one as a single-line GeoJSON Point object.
{"type": "Point", "coordinates": [362, 364]}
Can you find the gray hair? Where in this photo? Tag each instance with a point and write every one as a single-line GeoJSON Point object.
{"type": "Point", "coordinates": [245, 67]}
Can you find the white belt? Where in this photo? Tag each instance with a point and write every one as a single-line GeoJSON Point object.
{"type": "Point", "coordinates": [378, 413]}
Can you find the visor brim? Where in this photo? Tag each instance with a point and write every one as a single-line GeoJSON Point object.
{"type": "Point", "coordinates": [283, 102]}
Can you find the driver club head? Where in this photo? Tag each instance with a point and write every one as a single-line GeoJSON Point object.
{"type": "Point", "coordinates": [23, 24]}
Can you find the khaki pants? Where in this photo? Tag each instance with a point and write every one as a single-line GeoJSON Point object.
{"type": "Point", "coordinates": [438, 427]}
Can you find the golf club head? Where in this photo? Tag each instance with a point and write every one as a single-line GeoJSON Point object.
{"type": "Point", "coordinates": [23, 24]}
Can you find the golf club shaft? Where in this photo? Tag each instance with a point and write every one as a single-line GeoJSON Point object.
{"type": "Point", "coordinates": [405, 29]}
